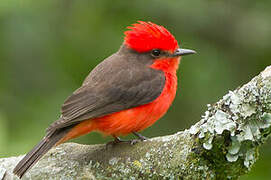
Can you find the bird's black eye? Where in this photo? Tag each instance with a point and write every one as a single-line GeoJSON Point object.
{"type": "Point", "coordinates": [155, 53]}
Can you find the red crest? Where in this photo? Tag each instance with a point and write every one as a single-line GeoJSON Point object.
{"type": "Point", "coordinates": [145, 36]}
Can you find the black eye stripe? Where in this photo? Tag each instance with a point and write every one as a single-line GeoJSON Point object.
{"type": "Point", "coordinates": [155, 53]}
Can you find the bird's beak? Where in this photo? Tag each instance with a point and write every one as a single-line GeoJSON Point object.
{"type": "Point", "coordinates": [183, 52]}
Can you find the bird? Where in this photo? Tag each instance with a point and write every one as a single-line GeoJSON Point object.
{"type": "Point", "coordinates": [126, 93]}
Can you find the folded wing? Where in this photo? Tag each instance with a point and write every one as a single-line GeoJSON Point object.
{"type": "Point", "coordinates": [107, 90]}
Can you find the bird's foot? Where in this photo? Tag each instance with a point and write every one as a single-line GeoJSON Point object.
{"type": "Point", "coordinates": [116, 141]}
{"type": "Point", "coordinates": [140, 137]}
{"type": "Point", "coordinates": [135, 141]}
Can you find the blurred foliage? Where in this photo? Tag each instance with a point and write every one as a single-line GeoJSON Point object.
{"type": "Point", "coordinates": [48, 47]}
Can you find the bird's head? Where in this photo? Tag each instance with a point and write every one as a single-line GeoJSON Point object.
{"type": "Point", "coordinates": [147, 37]}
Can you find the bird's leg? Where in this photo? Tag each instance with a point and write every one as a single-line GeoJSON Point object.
{"type": "Point", "coordinates": [142, 138]}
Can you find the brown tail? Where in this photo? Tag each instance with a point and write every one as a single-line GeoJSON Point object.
{"type": "Point", "coordinates": [39, 150]}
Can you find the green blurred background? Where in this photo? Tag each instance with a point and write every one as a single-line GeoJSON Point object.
{"type": "Point", "coordinates": [48, 47]}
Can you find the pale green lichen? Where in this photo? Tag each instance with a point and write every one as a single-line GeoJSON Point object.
{"type": "Point", "coordinates": [2, 172]}
{"type": "Point", "coordinates": [266, 73]}
{"type": "Point", "coordinates": [235, 146]}
{"type": "Point", "coordinates": [247, 110]}
{"type": "Point", "coordinates": [208, 144]}
{"type": "Point", "coordinates": [249, 158]}
{"type": "Point", "coordinates": [222, 122]}
{"type": "Point", "coordinates": [245, 115]}
{"type": "Point", "coordinates": [231, 157]}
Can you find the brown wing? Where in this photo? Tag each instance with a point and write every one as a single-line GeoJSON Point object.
{"type": "Point", "coordinates": [114, 85]}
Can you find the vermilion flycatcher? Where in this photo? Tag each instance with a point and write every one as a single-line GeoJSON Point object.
{"type": "Point", "coordinates": [125, 93]}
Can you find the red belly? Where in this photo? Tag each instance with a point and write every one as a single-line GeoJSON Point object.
{"type": "Point", "coordinates": [141, 117]}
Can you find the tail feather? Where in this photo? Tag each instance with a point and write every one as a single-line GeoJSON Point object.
{"type": "Point", "coordinates": [39, 150]}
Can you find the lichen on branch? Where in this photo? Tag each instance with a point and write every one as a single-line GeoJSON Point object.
{"type": "Point", "coordinates": [222, 145]}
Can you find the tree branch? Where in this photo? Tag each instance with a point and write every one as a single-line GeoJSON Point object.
{"type": "Point", "coordinates": [222, 145]}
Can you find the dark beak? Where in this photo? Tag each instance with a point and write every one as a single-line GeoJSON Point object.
{"type": "Point", "coordinates": [183, 52]}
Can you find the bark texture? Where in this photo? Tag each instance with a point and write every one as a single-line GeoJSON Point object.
{"type": "Point", "coordinates": [222, 145]}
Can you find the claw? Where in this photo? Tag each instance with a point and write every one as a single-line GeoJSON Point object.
{"type": "Point", "coordinates": [135, 141]}
{"type": "Point", "coordinates": [142, 138]}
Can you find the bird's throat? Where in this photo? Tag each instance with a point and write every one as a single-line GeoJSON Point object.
{"type": "Point", "coordinates": [170, 65]}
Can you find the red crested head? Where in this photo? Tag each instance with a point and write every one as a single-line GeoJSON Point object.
{"type": "Point", "coordinates": [146, 36]}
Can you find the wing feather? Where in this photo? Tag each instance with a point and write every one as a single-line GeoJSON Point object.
{"type": "Point", "coordinates": [118, 88]}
